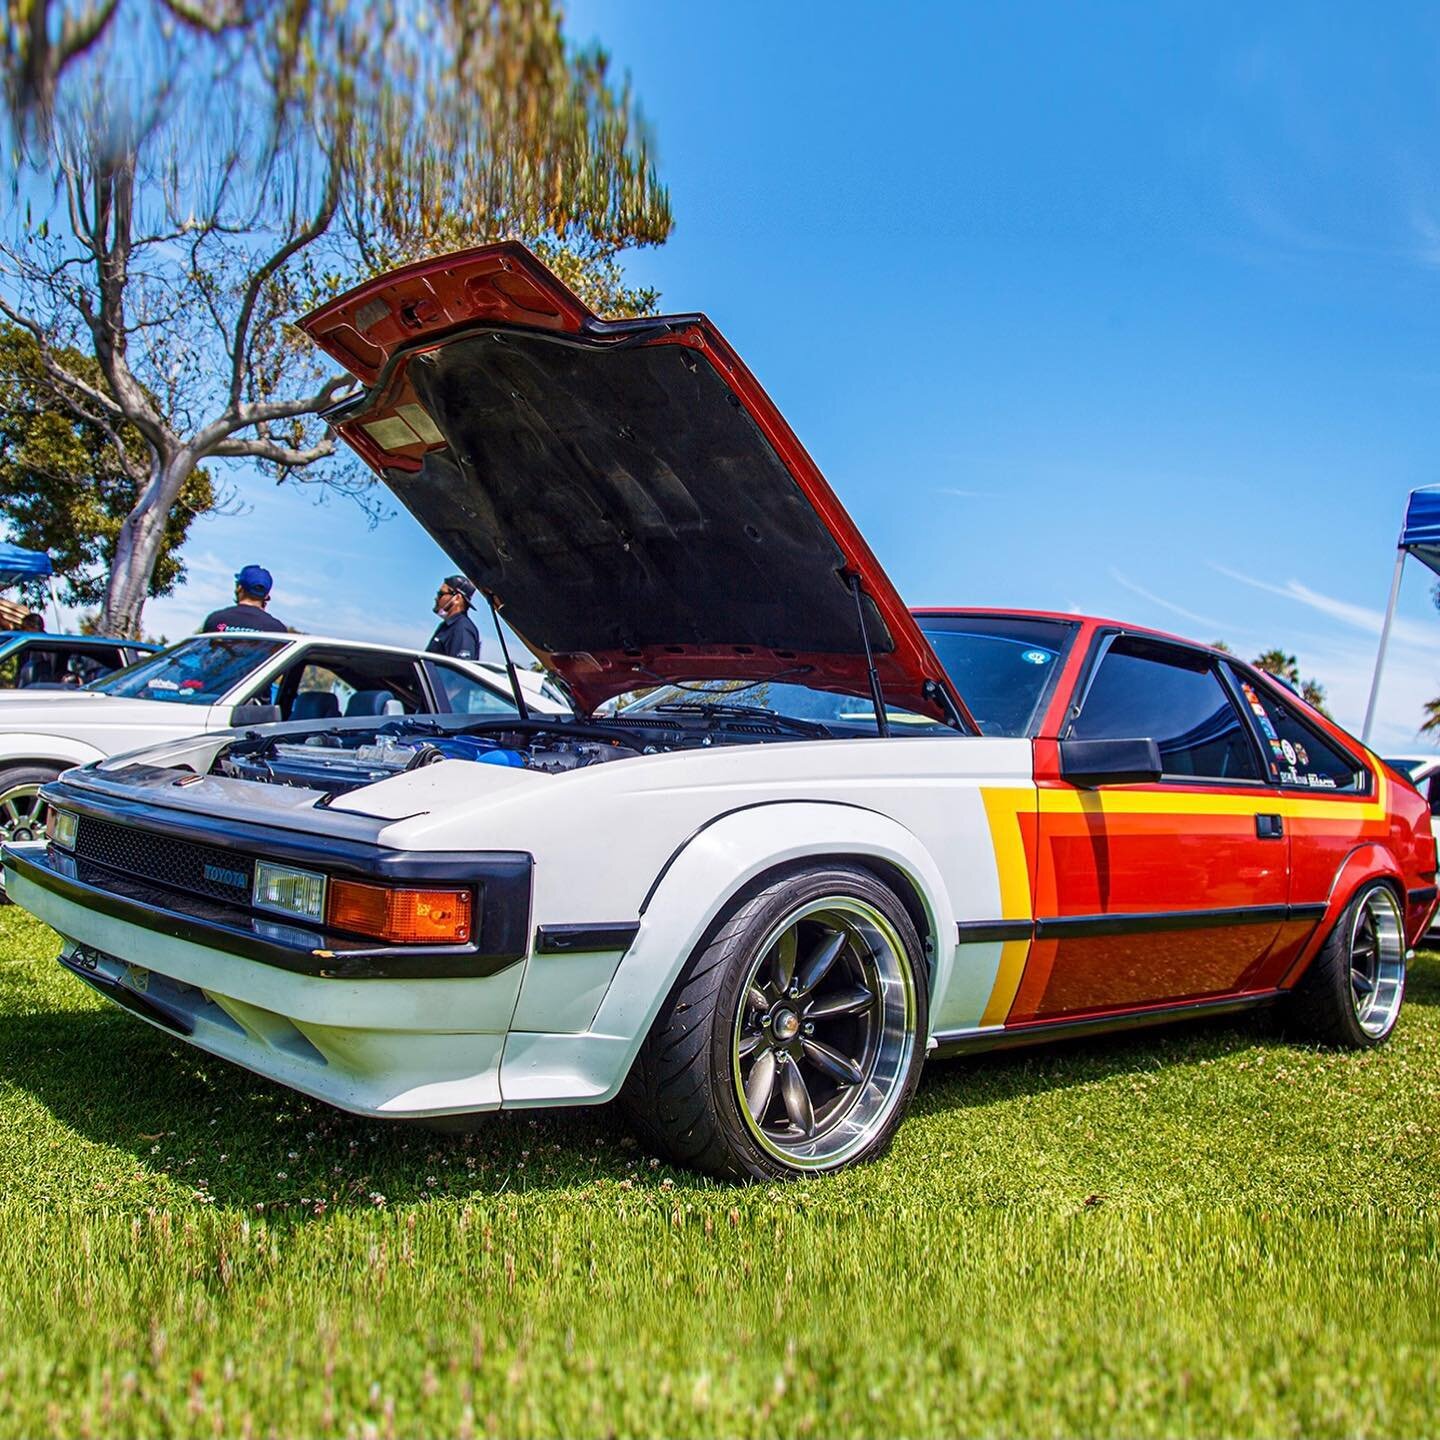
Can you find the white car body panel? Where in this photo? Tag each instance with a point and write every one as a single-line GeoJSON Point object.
{"type": "Point", "coordinates": [663, 841]}
{"type": "Point", "coordinates": [75, 729]}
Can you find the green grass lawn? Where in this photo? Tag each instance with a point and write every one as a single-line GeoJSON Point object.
{"type": "Point", "coordinates": [1202, 1231]}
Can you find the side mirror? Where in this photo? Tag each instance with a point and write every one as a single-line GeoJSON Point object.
{"type": "Point", "coordinates": [252, 712]}
{"type": "Point", "coordinates": [1088, 763]}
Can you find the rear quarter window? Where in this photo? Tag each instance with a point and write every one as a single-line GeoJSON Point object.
{"type": "Point", "coordinates": [1297, 755]}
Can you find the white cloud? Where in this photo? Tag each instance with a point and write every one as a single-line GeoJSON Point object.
{"type": "Point", "coordinates": [1215, 626]}
{"type": "Point", "coordinates": [1360, 617]}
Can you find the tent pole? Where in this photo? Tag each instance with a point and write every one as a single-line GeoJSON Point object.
{"type": "Point", "coordinates": [1384, 641]}
{"type": "Point", "coordinates": [54, 602]}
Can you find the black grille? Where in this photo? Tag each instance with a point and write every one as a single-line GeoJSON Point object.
{"type": "Point", "coordinates": [175, 864]}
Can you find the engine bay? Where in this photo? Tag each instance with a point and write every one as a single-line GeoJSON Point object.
{"type": "Point", "coordinates": [337, 759]}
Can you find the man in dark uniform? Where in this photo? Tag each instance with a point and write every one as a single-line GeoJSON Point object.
{"type": "Point", "coordinates": [252, 594]}
{"type": "Point", "coordinates": [456, 634]}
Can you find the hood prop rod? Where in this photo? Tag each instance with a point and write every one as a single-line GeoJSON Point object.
{"type": "Point", "coordinates": [877, 697]}
{"type": "Point", "coordinates": [515, 690]}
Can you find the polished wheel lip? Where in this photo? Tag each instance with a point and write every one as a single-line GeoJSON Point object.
{"type": "Point", "coordinates": [1375, 954]}
{"type": "Point", "coordinates": [22, 813]}
{"type": "Point", "coordinates": [768, 1058]}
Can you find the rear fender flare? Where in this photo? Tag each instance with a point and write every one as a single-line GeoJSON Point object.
{"type": "Point", "coordinates": [701, 880]}
{"type": "Point", "coordinates": [1367, 862]}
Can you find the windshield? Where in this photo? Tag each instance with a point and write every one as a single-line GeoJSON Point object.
{"type": "Point", "coordinates": [1002, 665]}
{"type": "Point", "coordinates": [195, 672]}
{"type": "Point", "coordinates": [842, 714]}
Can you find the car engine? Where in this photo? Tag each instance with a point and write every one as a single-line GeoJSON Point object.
{"type": "Point", "coordinates": [337, 761]}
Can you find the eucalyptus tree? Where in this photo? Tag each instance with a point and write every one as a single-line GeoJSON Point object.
{"type": "Point", "coordinates": [189, 178]}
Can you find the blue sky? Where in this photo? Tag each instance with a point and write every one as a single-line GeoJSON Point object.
{"type": "Point", "coordinates": [1130, 309]}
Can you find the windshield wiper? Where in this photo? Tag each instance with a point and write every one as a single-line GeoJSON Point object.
{"type": "Point", "coordinates": [742, 712]}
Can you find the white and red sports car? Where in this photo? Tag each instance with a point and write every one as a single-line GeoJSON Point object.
{"type": "Point", "coordinates": [835, 837]}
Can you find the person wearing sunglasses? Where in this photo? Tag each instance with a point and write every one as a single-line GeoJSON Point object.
{"type": "Point", "coordinates": [456, 634]}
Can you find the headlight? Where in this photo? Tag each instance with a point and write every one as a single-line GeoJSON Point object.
{"type": "Point", "coordinates": [288, 891]}
{"type": "Point", "coordinates": [60, 827]}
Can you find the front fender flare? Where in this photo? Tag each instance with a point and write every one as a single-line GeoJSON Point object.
{"type": "Point", "coordinates": [20, 748]}
{"type": "Point", "coordinates": [702, 878]}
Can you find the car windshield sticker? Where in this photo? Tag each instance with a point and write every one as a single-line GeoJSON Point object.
{"type": "Point", "coordinates": [1036, 657]}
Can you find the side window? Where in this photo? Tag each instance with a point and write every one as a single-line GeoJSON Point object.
{"type": "Point", "coordinates": [1299, 755]}
{"type": "Point", "coordinates": [40, 666]}
{"type": "Point", "coordinates": [465, 695]}
{"type": "Point", "coordinates": [1145, 690]}
{"type": "Point", "coordinates": [325, 684]}
{"type": "Point", "coordinates": [90, 662]}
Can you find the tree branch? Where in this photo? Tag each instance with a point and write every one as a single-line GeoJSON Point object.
{"type": "Point", "coordinates": [318, 225]}
{"type": "Point", "coordinates": [274, 452]}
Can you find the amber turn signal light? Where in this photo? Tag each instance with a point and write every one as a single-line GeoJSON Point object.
{"type": "Point", "coordinates": [403, 917]}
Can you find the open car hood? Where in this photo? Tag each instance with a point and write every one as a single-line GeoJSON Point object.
{"type": "Point", "coordinates": [625, 491]}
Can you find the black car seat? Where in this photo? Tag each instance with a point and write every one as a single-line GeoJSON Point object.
{"type": "Point", "coordinates": [37, 668]}
{"type": "Point", "coordinates": [369, 702]}
{"type": "Point", "coordinates": [315, 705]}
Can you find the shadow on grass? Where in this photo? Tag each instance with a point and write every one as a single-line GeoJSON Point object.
{"type": "Point", "coordinates": [217, 1131]}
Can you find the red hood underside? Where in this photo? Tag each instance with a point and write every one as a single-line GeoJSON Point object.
{"type": "Point", "coordinates": [624, 490]}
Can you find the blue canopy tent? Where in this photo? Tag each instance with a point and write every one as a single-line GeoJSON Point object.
{"type": "Point", "coordinates": [17, 565]}
{"type": "Point", "coordinates": [1420, 537]}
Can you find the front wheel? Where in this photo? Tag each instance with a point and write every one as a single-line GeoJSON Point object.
{"type": "Point", "coordinates": [22, 811]}
{"type": "Point", "coordinates": [794, 1039]}
{"type": "Point", "coordinates": [1350, 996]}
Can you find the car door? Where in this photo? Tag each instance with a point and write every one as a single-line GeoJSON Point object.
{"type": "Point", "coordinates": [1159, 892]}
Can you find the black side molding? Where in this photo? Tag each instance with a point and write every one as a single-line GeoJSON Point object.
{"type": "Point", "coordinates": [565, 939]}
{"type": "Point", "coordinates": [1423, 896]}
{"type": "Point", "coordinates": [1075, 927]}
{"type": "Point", "coordinates": [973, 932]}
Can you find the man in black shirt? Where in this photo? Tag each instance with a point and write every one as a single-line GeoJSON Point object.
{"type": "Point", "coordinates": [252, 594]}
{"type": "Point", "coordinates": [456, 634]}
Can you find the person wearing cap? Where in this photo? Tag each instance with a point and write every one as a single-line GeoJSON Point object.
{"type": "Point", "coordinates": [456, 634]}
{"type": "Point", "coordinates": [252, 594]}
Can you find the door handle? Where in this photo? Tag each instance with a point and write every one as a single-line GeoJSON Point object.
{"type": "Point", "coordinates": [1270, 827]}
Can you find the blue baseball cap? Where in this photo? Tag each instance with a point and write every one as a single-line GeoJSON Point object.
{"type": "Point", "coordinates": [256, 579]}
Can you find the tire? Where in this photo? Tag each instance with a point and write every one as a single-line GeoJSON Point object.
{"type": "Point", "coordinates": [809, 1004]}
{"type": "Point", "coordinates": [22, 817]}
{"type": "Point", "coordinates": [1350, 997]}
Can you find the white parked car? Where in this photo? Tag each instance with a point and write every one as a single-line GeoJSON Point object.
{"type": "Point", "coordinates": [754, 899]}
{"type": "Point", "coordinates": [214, 682]}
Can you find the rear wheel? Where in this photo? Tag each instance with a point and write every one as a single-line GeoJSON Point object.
{"type": "Point", "coordinates": [22, 811]}
{"type": "Point", "coordinates": [1352, 992]}
{"type": "Point", "coordinates": [793, 1041]}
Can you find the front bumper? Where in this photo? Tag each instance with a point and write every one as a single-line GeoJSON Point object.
{"type": "Point", "coordinates": [377, 1031]}
{"type": "Point", "coordinates": [375, 1046]}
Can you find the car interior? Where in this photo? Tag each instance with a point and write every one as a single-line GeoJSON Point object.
{"type": "Point", "coordinates": [326, 685]}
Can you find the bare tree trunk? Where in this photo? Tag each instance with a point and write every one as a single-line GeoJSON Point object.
{"type": "Point", "coordinates": [138, 547]}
